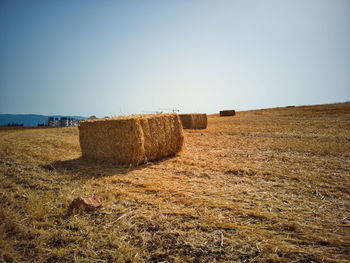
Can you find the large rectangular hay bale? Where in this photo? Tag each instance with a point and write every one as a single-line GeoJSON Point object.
{"type": "Point", "coordinates": [227, 113]}
{"type": "Point", "coordinates": [194, 120]}
{"type": "Point", "coordinates": [131, 139]}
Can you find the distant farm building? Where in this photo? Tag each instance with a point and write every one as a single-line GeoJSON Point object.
{"type": "Point", "coordinates": [63, 121]}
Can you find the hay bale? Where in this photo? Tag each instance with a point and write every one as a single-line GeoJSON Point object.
{"type": "Point", "coordinates": [186, 120]}
{"type": "Point", "coordinates": [131, 139]}
{"type": "Point", "coordinates": [194, 120]}
{"type": "Point", "coordinates": [227, 113]}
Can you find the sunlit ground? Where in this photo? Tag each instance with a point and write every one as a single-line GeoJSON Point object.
{"type": "Point", "coordinates": [266, 185]}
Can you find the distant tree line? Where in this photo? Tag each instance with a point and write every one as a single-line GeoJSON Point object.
{"type": "Point", "coordinates": [13, 124]}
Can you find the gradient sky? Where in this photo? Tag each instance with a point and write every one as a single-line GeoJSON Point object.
{"type": "Point", "coordinates": [108, 58]}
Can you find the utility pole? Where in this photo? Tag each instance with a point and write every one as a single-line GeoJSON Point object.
{"type": "Point", "coordinates": [173, 110]}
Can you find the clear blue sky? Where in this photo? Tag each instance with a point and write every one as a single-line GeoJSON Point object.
{"type": "Point", "coordinates": [101, 58]}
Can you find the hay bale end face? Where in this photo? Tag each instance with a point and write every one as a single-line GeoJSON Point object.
{"type": "Point", "coordinates": [131, 139]}
{"type": "Point", "coordinates": [194, 120]}
{"type": "Point", "coordinates": [224, 113]}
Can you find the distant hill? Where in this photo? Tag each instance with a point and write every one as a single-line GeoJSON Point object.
{"type": "Point", "coordinates": [29, 119]}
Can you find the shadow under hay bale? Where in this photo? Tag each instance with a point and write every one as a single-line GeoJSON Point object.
{"type": "Point", "coordinates": [131, 139]}
{"type": "Point", "coordinates": [194, 120]}
{"type": "Point", "coordinates": [224, 113]}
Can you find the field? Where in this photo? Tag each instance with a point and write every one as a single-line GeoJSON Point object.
{"type": "Point", "coordinates": [263, 186]}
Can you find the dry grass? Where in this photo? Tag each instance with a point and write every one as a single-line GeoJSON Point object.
{"type": "Point", "coordinates": [265, 186]}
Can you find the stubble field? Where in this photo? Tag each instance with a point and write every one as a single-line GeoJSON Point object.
{"type": "Point", "coordinates": [263, 186]}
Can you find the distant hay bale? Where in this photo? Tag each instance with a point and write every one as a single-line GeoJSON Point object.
{"type": "Point", "coordinates": [131, 139]}
{"type": "Point", "coordinates": [227, 113]}
{"type": "Point", "coordinates": [194, 120]}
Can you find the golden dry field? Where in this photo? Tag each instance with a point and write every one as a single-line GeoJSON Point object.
{"type": "Point", "coordinates": [262, 186]}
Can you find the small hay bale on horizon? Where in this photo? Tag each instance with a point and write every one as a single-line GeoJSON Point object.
{"type": "Point", "coordinates": [131, 139]}
{"type": "Point", "coordinates": [194, 120]}
{"type": "Point", "coordinates": [224, 113]}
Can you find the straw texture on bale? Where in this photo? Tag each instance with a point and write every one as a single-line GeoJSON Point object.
{"type": "Point", "coordinates": [132, 139]}
{"type": "Point", "coordinates": [194, 120]}
{"type": "Point", "coordinates": [227, 113]}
